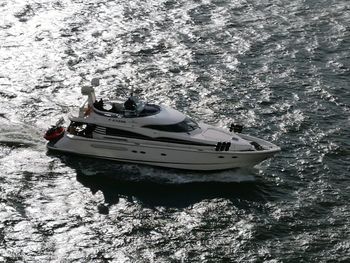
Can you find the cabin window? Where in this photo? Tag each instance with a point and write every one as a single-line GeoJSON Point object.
{"type": "Point", "coordinates": [123, 133]}
{"type": "Point", "coordinates": [187, 125]}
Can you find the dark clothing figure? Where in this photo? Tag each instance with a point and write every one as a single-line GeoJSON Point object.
{"type": "Point", "coordinates": [130, 104]}
{"type": "Point", "coordinates": [99, 104]}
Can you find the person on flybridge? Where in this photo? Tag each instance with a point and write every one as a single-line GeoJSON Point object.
{"type": "Point", "coordinates": [130, 104]}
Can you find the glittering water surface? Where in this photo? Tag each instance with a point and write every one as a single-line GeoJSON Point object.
{"type": "Point", "coordinates": [281, 68]}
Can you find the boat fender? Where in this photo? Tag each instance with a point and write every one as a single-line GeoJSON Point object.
{"type": "Point", "coordinates": [223, 146]}
{"type": "Point", "coordinates": [218, 146]}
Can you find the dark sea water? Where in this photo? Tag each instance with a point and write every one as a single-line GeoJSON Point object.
{"type": "Point", "coordinates": [281, 68]}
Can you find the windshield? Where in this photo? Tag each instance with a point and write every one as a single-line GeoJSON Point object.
{"type": "Point", "coordinates": [187, 125]}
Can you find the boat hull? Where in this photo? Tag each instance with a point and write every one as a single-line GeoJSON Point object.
{"type": "Point", "coordinates": [189, 157]}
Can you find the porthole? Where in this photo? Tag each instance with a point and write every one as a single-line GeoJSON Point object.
{"type": "Point", "coordinates": [163, 154]}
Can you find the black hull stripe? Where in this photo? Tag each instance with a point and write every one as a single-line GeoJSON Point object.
{"type": "Point", "coordinates": [165, 140]}
{"type": "Point", "coordinates": [98, 132]}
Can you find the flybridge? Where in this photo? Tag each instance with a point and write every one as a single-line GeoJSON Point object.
{"type": "Point", "coordinates": [114, 110]}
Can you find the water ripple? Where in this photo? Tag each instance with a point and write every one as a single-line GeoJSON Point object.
{"type": "Point", "coordinates": [279, 68]}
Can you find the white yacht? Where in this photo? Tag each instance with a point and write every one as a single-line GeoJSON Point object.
{"type": "Point", "coordinates": [137, 132]}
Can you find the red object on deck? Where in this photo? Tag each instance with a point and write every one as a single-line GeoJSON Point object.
{"type": "Point", "coordinates": [54, 133]}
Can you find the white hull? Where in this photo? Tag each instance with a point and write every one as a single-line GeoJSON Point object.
{"type": "Point", "coordinates": [172, 155]}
